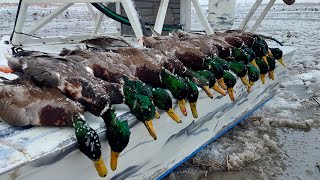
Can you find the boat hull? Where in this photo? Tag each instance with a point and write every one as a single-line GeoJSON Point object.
{"type": "Point", "coordinates": [50, 153]}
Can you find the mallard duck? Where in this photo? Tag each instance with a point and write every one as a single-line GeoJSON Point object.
{"type": "Point", "coordinates": [118, 135]}
{"type": "Point", "coordinates": [177, 87]}
{"type": "Point", "coordinates": [252, 56]}
{"type": "Point", "coordinates": [163, 101]}
{"type": "Point", "coordinates": [240, 69]}
{"type": "Point", "coordinates": [230, 81]}
{"type": "Point", "coordinates": [277, 54]}
{"type": "Point", "coordinates": [216, 69]}
{"type": "Point", "coordinates": [253, 74]}
{"type": "Point", "coordinates": [105, 66]}
{"type": "Point", "coordinates": [177, 67]}
{"type": "Point", "coordinates": [212, 81]}
{"type": "Point", "coordinates": [192, 97]}
{"type": "Point", "coordinates": [49, 107]}
{"type": "Point", "coordinates": [89, 143]}
{"type": "Point", "coordinates": [272, 66]}
{"type": "Point", "coordinates": [263, 67]}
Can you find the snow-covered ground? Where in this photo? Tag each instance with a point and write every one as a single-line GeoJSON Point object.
{"type": "Point", "coordinates": [281, 140]}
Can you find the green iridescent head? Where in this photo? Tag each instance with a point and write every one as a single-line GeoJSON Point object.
{"type": "Point", "coordinates": [239, 68]}
{"type": "Point", "coordinates": [163, 101]}
{"type": "Point", "coordinates": [263, 67]}
{"type": "Point", "coordinates": [192, 96]}
{"type": "Point", "coordinates": [253, 73]}
{"type": "Point", "coordinates": [241, 55]}
{"type": "Point", "coordinates": [89, 143]}
{"type": "Point", "coordinates": [276, 52]}
{"type": "Point", "coordinates": [118, 135]}
{"type": "Point", "coordinates": [223, 63]}
{"type": "Point", "coordinates": [260, 47]}
{"type": "Point", "coordinates": [212, 81]}
{"type": "Point", "coordinates": [230, 81]}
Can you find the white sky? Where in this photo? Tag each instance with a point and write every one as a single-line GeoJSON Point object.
{"type": "Point", "coordinates": [266, 1]}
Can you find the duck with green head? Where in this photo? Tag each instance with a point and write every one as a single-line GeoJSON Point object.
{"type": "Point", "coordinates": [163, 101]}
{"type": "Point", "coordinates": [192, 97]}
{"type": "Point", "coordinates": [200, 81]}
{"type": "Point", "coordinates": [236, 64]}
{"type": "Point", "coordinates": [277, 54]}
{"type": "Point", "coordinates": [260, 49]}
{"type": "Point", "coordinates": [230, 81]}
{"type": "Point", "coordinates": [212, 81]}
{"type": "Point", "coordinates": [252, 56]}
{"type": "Point", "coordinates": [140, 88]}
{"type": "Point", "coordinates": [89, 143]}
{"type": "Point", "coordinates": [141, 106]}
{"type": "Point", "coordinates": [177, 87]}
{"type": "Point", "coordinates": [118, 135]}
{"type": "Point", "coordinates": [263, 67]}
{"type": "Point", "coordinates": [253, 74]}
{"type": "Point", "coordinates": [216, 69]}
{"type": "Point", "coordinates": [272, 66]}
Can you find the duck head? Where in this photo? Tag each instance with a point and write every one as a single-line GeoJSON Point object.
{"type": "Point", "coordinates": [240, 55]}
{"type": "Point", "coordinates": [230, 81]}
{"type": "Point", "coordinates": [216, 69]}
{"type": "Point", "coordinates": [199, 81]}
{"type": "Point", "coordinates": [272, 66]}
{"type": "Point", "coordinates": [192, 97]}
{"type": "Point", "coordinates": [263, 67]}
{"type": "Point", "coordinates": [212, 81]}
{"type": "Point", "coordinates": [252, 56]}
{"type": "Point", "coordinates": [141, 106]}
{"type": "Point", "coordinates": [223, 63]}
{"type": "Point", "coordinates": [240, 69]}
{"type": "Point", "coordinates": [277, 54]}
{"type": "Point", "coordinates": [118, 135]}
{"type": "Point", "coordinates": [260, 48]}
{"type": "Point", "coordinates": [89, 143]}
{"type": "Point", "coordinates": [162, 100]}
{"type": "Point", "coordinates": [177, 87]}
{"type": "Point", "coordinates": [253, 74]}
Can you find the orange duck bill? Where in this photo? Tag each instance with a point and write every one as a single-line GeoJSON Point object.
{"type": "Point", "coordinates": [6, 69]}
{"type": "Point", "coordinates": [218, 89]}
{"type": "Point", "coordinates": [193, 107]}
{"type": "Point", "coordinates": [271, 75]}
{"type": "Point", "coordinates": [221, 83]}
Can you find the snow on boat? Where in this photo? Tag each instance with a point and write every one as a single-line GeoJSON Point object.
{"type": "Point", "coordinates": [51, 152]}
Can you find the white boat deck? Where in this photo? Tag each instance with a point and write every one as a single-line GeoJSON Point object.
{"type": "Point", "coordinates": [50, 152]}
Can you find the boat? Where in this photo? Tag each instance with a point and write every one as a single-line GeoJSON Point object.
{"type": "Point", "coordinates": [51, 152]}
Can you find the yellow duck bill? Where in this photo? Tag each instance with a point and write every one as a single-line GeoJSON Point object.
{"type": "Point", "coordinates": [249, 87]}
{"type": "Point", "coordinates": [271, 75]}
{"type": "Point", "coordinates": [270, 53]}
{"type": "Point", "coordinates": [114, 160]}
{"type": "Point", "coordinates": [263, 78]}
{"type": "Point", "coordinates": [194, 111]}
{"type": "Point", "coordinates": [281, 62]}
{"type": "Point", "coordinates": [244, 80]}
{"type": "Point", "coordinates": [253, 62]}
{"type": "Point", "coordinates": [218, 89]}
{"type": "Point", "coordinates": [182, 105]}
{"type": "Point", "coordinates": [174, 115]}
{"type": "Point", "coordinates": [207, 90]}
{"type": "Point", "coordinates": [150, 128]}
{"type": "Point", "coordinates": [157, 115]}
{"type": "Point", "coordinates": [100, 167]}
{"type": "Point", "coordinates": [265, 60]}
{"type": "Point", "coordinates": [221, 83]}
{"type": "Point", "coordinates": [231, 94]}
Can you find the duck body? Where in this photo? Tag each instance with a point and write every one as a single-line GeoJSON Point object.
{"type": "Point", "coordinates": [35, 106]}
